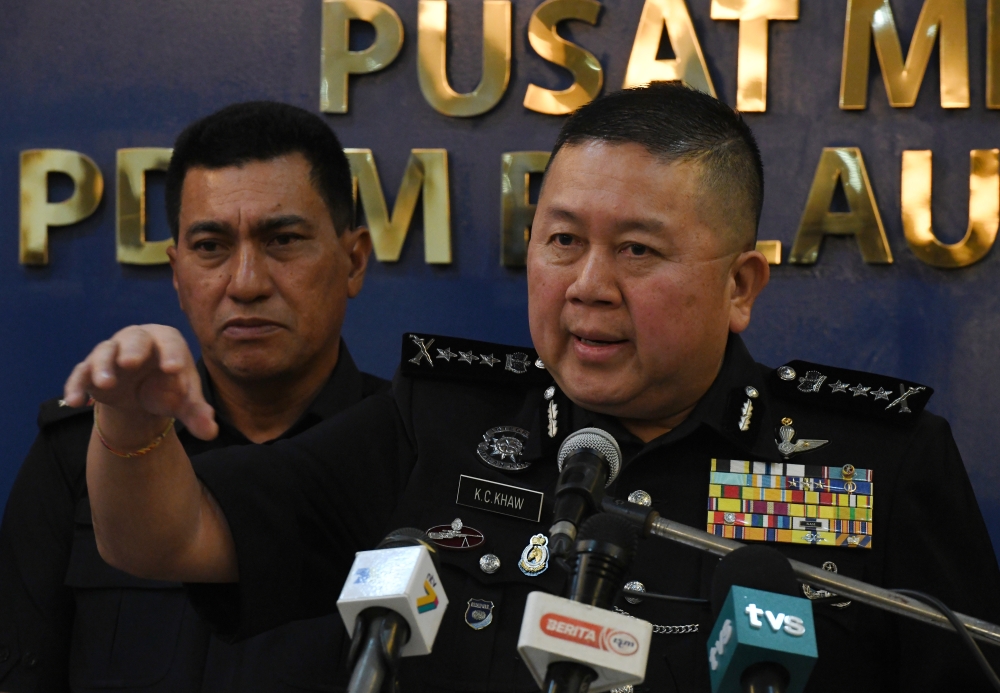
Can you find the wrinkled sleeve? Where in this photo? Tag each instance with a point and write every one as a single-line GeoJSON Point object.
{"type": "Point", "coordinates": [939, 544]}
{"type": "Point", "coordinates": [298, 510]}
{"type": "Point", "coordinates": [36, 608]}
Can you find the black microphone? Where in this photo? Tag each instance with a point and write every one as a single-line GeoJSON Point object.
{"type": "Point", "coordinates": [766, 573]}
{"type": "Point", "coordinates": [381, 632]}
{"type": "Point", "coordinates": [604, 552]}
{"type": "Point", "coordinates": [589, 460]}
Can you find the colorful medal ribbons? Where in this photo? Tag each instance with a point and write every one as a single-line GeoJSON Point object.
{"type": "Point", "coordinates": [791, 503]}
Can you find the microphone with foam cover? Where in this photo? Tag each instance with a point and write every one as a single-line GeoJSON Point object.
{"type": "Point", "coordinates": [764, 639]}
{"type": "Point", "coordinates": [588, 460]}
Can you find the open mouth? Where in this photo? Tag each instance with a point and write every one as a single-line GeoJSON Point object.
{"type": "Point", "coordinates": [598, 342]}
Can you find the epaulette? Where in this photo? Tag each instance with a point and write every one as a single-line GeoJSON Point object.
{"type": "Point", "coordinates": [435, 356]}
{"type": "Point", "coordinates": [855, 392]}
{"type": "Point", "coordinates": [56, 410]}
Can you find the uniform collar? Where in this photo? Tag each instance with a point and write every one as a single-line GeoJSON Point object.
{"type": "Point", "coordinates": [721, 410]}
{"type": "Point", "coordinates": [343, 388]}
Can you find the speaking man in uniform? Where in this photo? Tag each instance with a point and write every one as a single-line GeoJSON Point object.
{"type": "Point", "coordinates": [259, 199]}
{"type": "Point", "coordinates": [642, 272]}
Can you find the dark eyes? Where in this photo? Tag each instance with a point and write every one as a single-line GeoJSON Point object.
{"type": "Point", "coordinates": [206, 246]}
{"type": "Point", "coordinates": [637, 249]}
{"type": "Point", "coordinates": [283, 239]}
{"type": "Point", "coordinates": [563, 239]}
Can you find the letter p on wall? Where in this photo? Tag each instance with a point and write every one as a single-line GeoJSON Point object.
{"type": "Point", "coordinates": [38, 214]}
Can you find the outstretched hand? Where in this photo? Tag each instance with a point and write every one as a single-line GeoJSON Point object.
{"type": "Point", "coordinates": [144, 373]}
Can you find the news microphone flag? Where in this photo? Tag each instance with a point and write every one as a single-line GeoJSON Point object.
{"type": "Point", "coordinates": [403, 580]}
{"type": "Point", "coordinates": [555, 629]}
{"type": "Point", "coordinates": [756, 626]}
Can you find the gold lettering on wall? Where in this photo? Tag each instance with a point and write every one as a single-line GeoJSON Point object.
{"type": "Point", "coordinates": [770, 250]}
{"type": "Point", "coordinates": [984, 209]}
{"type": "Point", "coordinates": [846, 166]}
{"type": "Point", "coordinates": [432, 32]}
{"type": "Point", "coordinates": [38, 214]}
{"type": "Point", "coordinates": [751, 70]}
{"type": "Point", "coordinates": [338, 61]}
{"type": "Point", "coordinates": [516, 209]}
{"type": "Point", "coordinates": [427, 171]}
{"type": "Point", "coordinates": [588, 76]}
{"type": "Point", "coordinates": [993, 54]}
{"type": "Point", "coordinates": [869, 20]}
{"type": "Point", "coordinates": [132, 248]}
{"type": "Point", "coordinates": [688, 65]}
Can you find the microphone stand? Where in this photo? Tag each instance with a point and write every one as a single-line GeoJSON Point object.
{"type": "Point", "coordinates": [653, 524]}
{"type": "Point", "coordinates": [379, 635]}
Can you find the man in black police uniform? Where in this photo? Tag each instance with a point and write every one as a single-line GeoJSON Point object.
{"type": "Point", "coordinates": [641, 273]}
{"type": "Point", "coordinates": [260, 204]}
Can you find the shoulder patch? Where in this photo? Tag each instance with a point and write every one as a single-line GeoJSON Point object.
{"type": "Point", "coordinates": [855, 392]}
{"type": "Point", "coordinates": [435, 356]}
{"type": "Point", "coordinates": [56, 410]}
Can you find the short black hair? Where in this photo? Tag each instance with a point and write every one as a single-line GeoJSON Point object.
{"type": "Point", "coordinates": [678, 123]}
{"type": "Point", "coordinates": [261, 131]}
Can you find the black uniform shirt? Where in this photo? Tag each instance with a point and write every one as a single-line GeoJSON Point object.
{"type": "Point", "coordinates": [399, 460]}
{"type": "Point", "coordinates": [68, 621]}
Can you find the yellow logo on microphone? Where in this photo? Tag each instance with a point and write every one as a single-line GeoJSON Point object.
{"type": "Point", "coordinates": [429, 601]}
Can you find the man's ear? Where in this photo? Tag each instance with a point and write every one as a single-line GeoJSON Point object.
{"type": "Point", "coordinates": [748, 276]}
{"type": "Point", "coordinates": [358, 244]}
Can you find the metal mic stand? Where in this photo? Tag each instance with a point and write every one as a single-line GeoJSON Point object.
{"type": "Point", "coordinates": [653, 524]}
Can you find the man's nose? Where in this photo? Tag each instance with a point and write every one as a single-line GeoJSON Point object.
{"type": "Point", "coordinates": [596, 282]}
{"type": "Point", "coordinates": [250, 279]}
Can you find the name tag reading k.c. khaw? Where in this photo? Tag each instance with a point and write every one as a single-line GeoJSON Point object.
{"type": "Point", "coordinates": [500, 498]}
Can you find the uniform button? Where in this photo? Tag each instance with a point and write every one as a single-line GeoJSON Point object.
{"type": "Point", "coordinates": [489, 563]}
{"type": "Point", "coordinates": [635, 586]}
{"type": "Point", "coordinates": [786, 373]}
{"type": "Point", "coordinates": [640, 498]}
{"type": "Point", "coordinates": [4, 655]}
{"type": "Point", "coordinates": [30, 660]}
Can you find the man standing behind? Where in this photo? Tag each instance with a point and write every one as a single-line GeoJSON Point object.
{"type": "Point", "coordinates": [260, 204]}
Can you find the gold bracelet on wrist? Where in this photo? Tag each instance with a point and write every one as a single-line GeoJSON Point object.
{"type": "Point", "coordinates": [155, 443]}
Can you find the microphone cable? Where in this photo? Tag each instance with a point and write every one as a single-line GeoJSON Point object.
{"type": "Point", "coordinates": [961, 630]}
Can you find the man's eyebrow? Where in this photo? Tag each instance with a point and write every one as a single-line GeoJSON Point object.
{"type": "Point", "coordinates": [279, 222]}
{"type": "Point", "coordinates": [651, 224]}
{"type": "Point", "coordinates": [206, 226]}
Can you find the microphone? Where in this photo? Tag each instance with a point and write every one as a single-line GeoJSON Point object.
{"type": "Point", "coordinates": [575, 645]}
{"type": "Point", "coordinates": [589, 460]}
{"type": "Point", "coordinates": [393, 604]}
{"type": "Point", "coordinates": [764, 640]}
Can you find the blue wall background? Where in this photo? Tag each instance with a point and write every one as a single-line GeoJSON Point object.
{"type": "Point", "coordinates": [98, 76]}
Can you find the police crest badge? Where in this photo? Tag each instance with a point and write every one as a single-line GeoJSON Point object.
{"type": "Point", "coordinates": [479, 613]}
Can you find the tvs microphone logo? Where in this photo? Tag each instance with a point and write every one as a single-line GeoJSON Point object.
{"type": "Point", "coordinates": [429, 601]}
{"type": "Point", "coordinates": [589, 634]}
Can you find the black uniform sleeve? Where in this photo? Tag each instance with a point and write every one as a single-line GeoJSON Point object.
{"type": "Point", "coordinates": [938, 544]}
{"type": "Point", "coordinates": [298, 510]}
{"type": "Point", "coordinates": [36, 608]}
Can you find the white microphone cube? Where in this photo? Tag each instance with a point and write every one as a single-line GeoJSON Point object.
{"type": "Point", "coordinates": [555, 629]}
{"type": "Point", "coordinates": [403, 580]}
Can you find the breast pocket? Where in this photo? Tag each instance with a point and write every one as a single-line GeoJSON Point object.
{"type": "Point", "coordinates": [128, 633]}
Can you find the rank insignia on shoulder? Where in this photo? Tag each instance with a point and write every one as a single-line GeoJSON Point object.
{"type": "Point", "coordinates": [791, 503]}
{"type": "Point", "coordinates": [479, 613]}
{"type": "Point", "coordinates": [857, 392]}
{"type": "Point", "coordinates": [464, 359]}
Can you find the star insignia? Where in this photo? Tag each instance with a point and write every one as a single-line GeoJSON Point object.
{"type": "Point", "coordinates": [882, 393]}
{"type": "Point", "coordinates": [860, 391]}
{"type": "Point", "coordinates": [63, 403]}
{"type": "Point", "coordinates": [446, 354]}
{"type": "Point", "coordinates": [839, 386]}
{"type": "Point", "coordinates": [467, 357]}
{"type": "Point", "coordinates": [488, 359]}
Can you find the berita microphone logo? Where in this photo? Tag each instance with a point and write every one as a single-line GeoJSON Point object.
{"type": "Point", "coordinates": [589, 634]}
